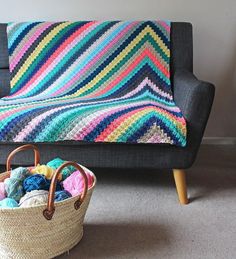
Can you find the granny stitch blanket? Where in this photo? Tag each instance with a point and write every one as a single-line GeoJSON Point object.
{"type": "Point", "coordinates": [90, 81]}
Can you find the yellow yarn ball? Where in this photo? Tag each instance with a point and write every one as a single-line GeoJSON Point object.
{"type": "Point", "coordinates": [46, 171]}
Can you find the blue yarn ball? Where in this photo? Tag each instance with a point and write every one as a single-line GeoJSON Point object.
{"type": "Point", "coordinates": [62, 195]}
{"type": "Point", "coordinates": [38, 182]}
{"type": "Point", "coordinates": [8, 203]}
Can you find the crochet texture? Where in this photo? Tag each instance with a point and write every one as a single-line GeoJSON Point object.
{"type": "Point", "coordinates": [91, 81]}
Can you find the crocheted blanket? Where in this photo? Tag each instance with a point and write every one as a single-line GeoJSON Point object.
{"type": "Point", "coordinates": [90, 81]}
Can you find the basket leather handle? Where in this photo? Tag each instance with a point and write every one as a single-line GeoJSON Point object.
{"type": "Point", "coordinates": [22, 148]}
{"type": "Point", "coordinates": [49, 211]}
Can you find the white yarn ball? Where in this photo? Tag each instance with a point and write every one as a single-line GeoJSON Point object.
{"type": "Point", "coordinates": [34, 198]}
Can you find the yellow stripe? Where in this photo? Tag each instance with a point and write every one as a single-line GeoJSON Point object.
{"type": "Point", "coordinates": [49, 37]}
{"type": "Point", "coordinates": [122, 55]}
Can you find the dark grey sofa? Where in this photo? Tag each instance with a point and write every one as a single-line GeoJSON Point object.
{"type": "Point", "coordinates": [194, 98]}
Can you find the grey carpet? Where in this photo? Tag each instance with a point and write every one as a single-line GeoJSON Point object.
{"type": "Point", "coordinates": [137, 215]}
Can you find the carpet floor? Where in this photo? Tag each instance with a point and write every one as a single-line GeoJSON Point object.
{"type": "Point", "coordinates": [136, 214]}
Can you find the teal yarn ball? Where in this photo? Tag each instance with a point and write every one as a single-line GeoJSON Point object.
{"type": "Point", "coordinates": [20, 173]}
{"type": "Point", "coordinates": [14, 189]}
{"type": "Point", "coordinates": [14, 184]}
{"type": "Point", "coordinates": [8, 203]}
{"type": "Point", "coordinates": [57, 162]}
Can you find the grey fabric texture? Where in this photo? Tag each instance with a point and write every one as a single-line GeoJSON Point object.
{"type": "Point", "coordinates": [4, 62]}
{"type": "Point", "coordinates": [4, 82]}
{"type": "Point", "coordinates": [181, 46]}
{"type": "Point", "coordinates": [194, 97]}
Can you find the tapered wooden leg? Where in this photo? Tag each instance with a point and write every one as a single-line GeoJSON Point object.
{"type": "Point", "coordinates": [180, 182]}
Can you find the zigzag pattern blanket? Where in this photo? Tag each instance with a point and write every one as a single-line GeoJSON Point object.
{"type": "Point", "coordinates": [91, 81]}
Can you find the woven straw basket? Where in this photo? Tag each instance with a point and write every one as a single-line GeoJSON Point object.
{"type": "Point", "coordinates": [43, 231]}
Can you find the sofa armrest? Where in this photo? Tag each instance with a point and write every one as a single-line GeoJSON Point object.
{"type": "Point", "coordinates": [194, 98]}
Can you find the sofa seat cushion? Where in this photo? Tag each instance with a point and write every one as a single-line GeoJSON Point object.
{"type": "Point", "coordinates": [91, 81]}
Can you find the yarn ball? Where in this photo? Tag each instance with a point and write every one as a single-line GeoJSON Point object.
{"type": "Point", "coordinates": [45, 170]}
{"type": "Point", "coordinates": [57, 162]}
{"type": "Point", "coordinates": [14, 185]}
{"type": "Point", "coordinates": [14, 188]}
{"type": "Point", "coordinates": [38, 182]}
{"type": "Point", "coordinates": [74, 184]}
{"type": "Point", "coordinates": [62, 195]}
{"type": "Point", "coordinates": [2, 191]}
{"type": "Point", "coordinates": [34, 198]}
{"type": "Point", "coordinates": [20, 173]}
{"type": "Point", "coordinates": [8, 203]}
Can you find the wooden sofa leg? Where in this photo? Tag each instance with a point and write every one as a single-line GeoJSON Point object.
{"type": "Point", "coordinates": [180, 182]}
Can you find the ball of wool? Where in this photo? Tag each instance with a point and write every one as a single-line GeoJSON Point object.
{"type": "Point", "coordinates": [20, 173]}
{"type": "Point", "coordinates": [74, 184]}
{"type": "Point", "coordinates": [38, 182]}
{"type": "Point", "coordinates": [2, 191]}
{"type": "Point", "coordinates": [34, 198]}
{"type": "Point", "coordinates": [14, 188]}
{"type": "Point", "coordinates": [45, 170]}
{"type": "Point", "coordinates": [62, 195]}
{"type": "Point", "coordinates": [57, 162]}
{"type": "Point", "coordinates": [14, 185]}
{"type": "Point", "coordinates": [8, 203]}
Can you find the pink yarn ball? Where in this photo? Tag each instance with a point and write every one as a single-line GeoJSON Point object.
{"type": "Point", "coordinates": [2, 191]}
{"type": "Point", "coordinates": [74, 184]}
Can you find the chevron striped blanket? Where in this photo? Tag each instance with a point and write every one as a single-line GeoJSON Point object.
{"type": "Point", "coordinates": [90, 81]}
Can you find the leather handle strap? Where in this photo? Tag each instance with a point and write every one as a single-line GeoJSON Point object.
{"type": "Point", "coordinates": [22, 148]}
{"type": "Point", "coordinates": [49, 211]}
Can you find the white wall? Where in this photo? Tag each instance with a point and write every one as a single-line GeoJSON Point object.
{"type": "Point", "coordinates": [214, 24]}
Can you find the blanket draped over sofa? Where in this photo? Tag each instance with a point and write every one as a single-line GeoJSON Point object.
{"type": "Point", "coordinates": [90, 81]}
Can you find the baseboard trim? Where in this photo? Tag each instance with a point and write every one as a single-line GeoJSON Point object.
{"type": "Point", "coordinates": [219, 141]}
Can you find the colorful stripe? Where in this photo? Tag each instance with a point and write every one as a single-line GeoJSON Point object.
{"type": "Point", "coordinates": [91, 81]}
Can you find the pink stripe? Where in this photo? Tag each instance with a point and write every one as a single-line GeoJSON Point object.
{"type": "Point", "coordinates": [154, 87]}
{"type": "Point", "coordinates": [156, 138]}
{"type": "Point", "coordinates": [10, 112]}
{"type": "Point", "coordinates": [26, 46]}
{"type": "Point", "coordinates": [165, 25]}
